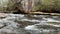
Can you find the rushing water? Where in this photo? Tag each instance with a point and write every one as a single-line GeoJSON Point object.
{"type": "Point", "coordinates": [31, 24]}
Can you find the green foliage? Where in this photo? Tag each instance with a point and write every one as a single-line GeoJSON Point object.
{"type": "Point", "coordinates": [3, 5]}
{"type": "Point", "coordinates": [44, 4]}
{"type": "Point", "coordinates": [47, 2]}
{"type": "Point", "coordinates": [6, 5]}
{"type": "Point", "coordinates": [48, 5]}
{"type": "Point", "coordinates": [37, 5]}
{"type": "Point", "coordinates": [10, 5]}
{"type": "Point", "coordinates": [37, 8]}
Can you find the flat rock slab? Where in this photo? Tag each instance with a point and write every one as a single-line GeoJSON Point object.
{"type": "Point", "coordinates": [3, 15]}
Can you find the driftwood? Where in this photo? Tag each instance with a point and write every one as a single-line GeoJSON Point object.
{"type": "Point", "coordinates": [42, 13]}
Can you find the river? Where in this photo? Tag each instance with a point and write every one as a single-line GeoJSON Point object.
{"type": "Point", "coordinates": [29, 24]}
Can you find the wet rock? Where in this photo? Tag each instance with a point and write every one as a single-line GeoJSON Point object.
{"type": "Point", "coordinates": [3, 15]}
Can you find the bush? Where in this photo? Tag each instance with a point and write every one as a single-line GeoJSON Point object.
{"type": "Point", "coordinates": [48, 5]}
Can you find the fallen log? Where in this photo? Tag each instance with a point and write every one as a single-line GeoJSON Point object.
{"type": "Point", "coordinates": [42, 13]}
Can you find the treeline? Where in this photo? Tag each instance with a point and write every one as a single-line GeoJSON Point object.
{"type": "Point", "coordinates": [30, 5]}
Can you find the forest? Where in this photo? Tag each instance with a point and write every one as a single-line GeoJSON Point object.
{"type": "Point", "coordinates": [30, 6]}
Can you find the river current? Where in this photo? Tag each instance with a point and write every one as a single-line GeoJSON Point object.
{"type": "Point", "coordinates": [30, 24]}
